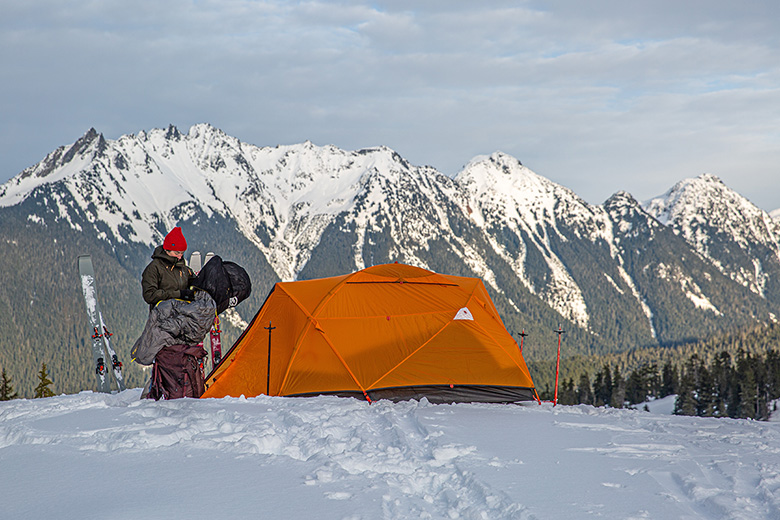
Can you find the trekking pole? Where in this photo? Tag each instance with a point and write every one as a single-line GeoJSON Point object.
{"type": "Point", "coordinates": [522, 335]}
{"type": "Point", "coordinates": [560, 331]}
{"type": "Point", "coordinates": [268, 372]}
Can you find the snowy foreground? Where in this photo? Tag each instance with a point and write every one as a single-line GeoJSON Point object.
{"type": "Point", "coordinates": [113, 456]}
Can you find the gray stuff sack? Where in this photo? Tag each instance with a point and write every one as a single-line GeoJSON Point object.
{"type": "Point", "coordinates": [174, 322]}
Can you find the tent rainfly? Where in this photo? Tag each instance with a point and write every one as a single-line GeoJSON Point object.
{"type": "Point", "coordinates": [390, 331]}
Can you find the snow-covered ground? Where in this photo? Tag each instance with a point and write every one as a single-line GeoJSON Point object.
{"type": "Point", "coordinates": [113, 456]}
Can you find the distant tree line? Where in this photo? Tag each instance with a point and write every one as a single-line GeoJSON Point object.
{"type": "Point", "coordinates": [739, 387]}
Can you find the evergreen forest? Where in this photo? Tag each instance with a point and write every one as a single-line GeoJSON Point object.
{"type": "Point", "coordinates": [735, 376]}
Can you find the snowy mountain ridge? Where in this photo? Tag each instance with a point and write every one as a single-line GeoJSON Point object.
{"type": "Point", "coordinates": [698, 259]}
{"type": "Point", "coordinates": [141, 184]}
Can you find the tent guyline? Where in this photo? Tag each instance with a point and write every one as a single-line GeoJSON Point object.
{"type": "Point", "coordinates": [390, 331]}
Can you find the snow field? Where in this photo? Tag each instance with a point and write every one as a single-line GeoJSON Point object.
{"type": "Point", "coordinates": [113, 456]}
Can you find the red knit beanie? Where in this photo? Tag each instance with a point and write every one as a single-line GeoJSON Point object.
{"type": "Point", "coordinates": [174, 241]}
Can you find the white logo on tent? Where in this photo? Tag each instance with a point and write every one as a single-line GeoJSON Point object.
{"type": "Point", "coordinates": [464, 314]}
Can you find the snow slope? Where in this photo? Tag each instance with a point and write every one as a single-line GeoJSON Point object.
{"type": "Point", "coordinates": [113, 456]}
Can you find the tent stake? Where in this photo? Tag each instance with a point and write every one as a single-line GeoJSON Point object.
{"type": "Point", "coordinates": [269, 328]}
{"type": "Point", "coordinates": [558, 362]}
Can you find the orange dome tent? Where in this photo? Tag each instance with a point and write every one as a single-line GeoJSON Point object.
{"type": "Point", "coordinates": [390, 331]}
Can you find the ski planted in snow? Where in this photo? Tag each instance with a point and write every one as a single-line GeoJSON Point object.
{"type": "Point", "coordinates": [100, 333]}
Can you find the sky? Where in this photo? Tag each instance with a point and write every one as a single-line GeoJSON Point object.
{"type": "Point", "coordinates": [598, 96]}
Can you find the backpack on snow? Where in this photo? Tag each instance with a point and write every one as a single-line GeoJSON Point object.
{"type": "Point", "coordinates": [177, 372]}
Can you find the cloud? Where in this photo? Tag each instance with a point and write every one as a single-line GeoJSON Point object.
{"type": "Point", "coordinates": [598, 97]}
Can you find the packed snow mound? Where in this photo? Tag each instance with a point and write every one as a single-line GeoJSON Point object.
{"type": "Point", "coordinates": [91, 455]}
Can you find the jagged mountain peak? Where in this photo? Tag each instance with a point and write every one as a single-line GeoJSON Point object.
{"type": "Point", "coordinates": [621, 198]}
{"type": "Point", "coordinates": [628, 214]}
{"type": "Point", "coordinates": [705, 201]}
{"type": "Point", "coordinates": [502, 177]}
{"type": "Point", "coordinates": [689, 195]}
{"type": "Point", "coordinates": [622, 204]}
{"type": "Point", "coordinates": [498, 170]}
{"type": "Point", "coordinates": [501, 186]}
{"type": "Point", "coordinates": [60, 164]}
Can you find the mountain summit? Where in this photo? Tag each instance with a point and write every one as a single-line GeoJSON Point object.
{"type": "Point", "coordinates": [725, 227]}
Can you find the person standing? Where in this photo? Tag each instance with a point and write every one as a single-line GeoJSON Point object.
{"type": "Point", "coordinates": [167, 275]}
{"type": "Point", "coordinates": [177, 369]}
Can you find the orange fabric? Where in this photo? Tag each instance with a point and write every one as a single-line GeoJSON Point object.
{"type": "Point", "coordinates": [385, 326]}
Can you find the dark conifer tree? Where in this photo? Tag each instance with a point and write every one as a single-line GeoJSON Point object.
{"type": "Point", "coordinates": [584, 391]}
{"type": "Point", "coordinates": [6, 388]}
{"type": "Point", "coordinates": [652, 379]}
{"type": "Point", "coordinates": [669, 380]}
{"type": "Point", "coordinates": [567, 394]}
{"type": "Point", "coordinates": [685, 404]}
{"type": "Point", "coordinates": [642, 383]}
{"type": "Point", "coordinates": [773, 374]}
{"type": "Point", "coordinates": [43, 390]}
{"type": "Point", "coordinates": [721, 382]}
{"type": "Point", "coordinates": [602, 387]}
{"type": "Point", "coordinates": [748, 387]}
{"type": "Point", "coordinates": [704, 392]}
{"type": "Point", "coordinates": [635, 391]}
{"type": "Point", "coordinates": [762, 394]}
{"type": "Point", "coordinates": [618, 390]}
{"type": "Point", "coordinates": [598, 385]}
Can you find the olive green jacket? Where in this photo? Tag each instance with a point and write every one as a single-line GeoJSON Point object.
{"type": "Point", "coordinates": [164, 278]}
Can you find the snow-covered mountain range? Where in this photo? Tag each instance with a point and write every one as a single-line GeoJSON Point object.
{"type": "Point", "coordinates": [698, 259]}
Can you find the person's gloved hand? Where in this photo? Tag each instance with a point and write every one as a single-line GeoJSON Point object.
{"type": "Point", "coordinates": [187, 294]}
